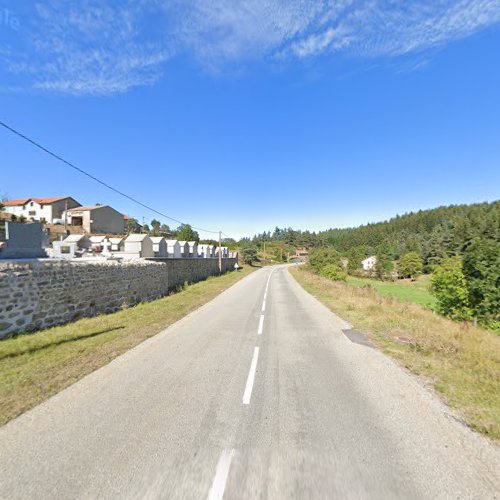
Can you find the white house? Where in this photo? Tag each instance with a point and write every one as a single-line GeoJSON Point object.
{"type": "Point", "coordinates": [138, 246]}
{"type": "Point", "coordinates": [193, 249]}
{"type": "Point", "coordinates": [173, 249]}
{"type": "Point", "coordinates": [184, 246]}
{"type": "Point", "coordinates": [117, 244]}
{"type": "Point", "coordinates": [369, 263]}
{"type": "Point", "coordinates": [160, 247]}
{"type": "Point", "coordinates": [49, 210]}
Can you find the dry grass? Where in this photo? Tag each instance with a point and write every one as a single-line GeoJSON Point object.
{"type": "Point", "coordinates": [462, 361]}
{"type": "Point", "coordinates": [35, 366]}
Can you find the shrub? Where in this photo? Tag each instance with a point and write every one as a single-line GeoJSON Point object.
{"type": "Point", "coordinates": [249, 255]}
{"type": "Point", "coordinates": [410, 265]}
{"type": "Point", "coordinates": [333, 272]}
{"type": "Point", "coordinates": [449, 286]}
{"type": "Point", "coordinates": [321, 257]}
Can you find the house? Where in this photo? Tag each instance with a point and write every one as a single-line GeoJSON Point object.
{"type": "Point", "coordinates": [49, 210]}
{"type": "Point", "coordinates": [160, 248]}
{"type": "Point", "coordinates": [193, 249]}
{"type": "Point", "coordinates": [117, 244]}
{"type": "Point", "coordinates": [369, 263]}
{"type": "Point", "coordinates": [82, 241]}
{"type": "Point", "coordinates": [97, 219]}
{"type": "Point", "coordinates": [173, 249]}
{"type": "Point", "coordinates": [138, 246]}
{"type": "Point", "coordinates": [184, 247]}
{"type": "Point", "coordinates": [21, 241]}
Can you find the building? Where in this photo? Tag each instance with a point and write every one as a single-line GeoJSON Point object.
{"type": "Point", "coordinates": [369, 263]}
{"type": "Point", "coordinates": [205, 251]}
{"type": "Point", "coordinates": [173, 249]}
{"type": "Point", "coordinates": [97, 243]}
{"type": "Point", "coordinates": [97, 219]}
{"type": "Point", "coordinates": [138, 246]}
{"type": "Point", "coordinates": [160, 248]}
{"type": "Point", "coordinates": [82, 241]}
{"type": "Point", "coordinates": [48, 210]}
{"type": "Point", "coordinates": [184, 247]}
{"type": "Point", "coordinates": [193, 249]}
{"type": "Point", "coordinates": [117, 244]}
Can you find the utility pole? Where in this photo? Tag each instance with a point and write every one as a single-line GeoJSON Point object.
{"type": "Point", "coordinates": [264, 249]}
{"type": "Point", "coordinates": [66, 216]}
{"type": "Point", "coordinates": [220, 253]}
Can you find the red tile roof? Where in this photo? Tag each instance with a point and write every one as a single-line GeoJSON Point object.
{"type": "Point", "coordinates": [41, 201]}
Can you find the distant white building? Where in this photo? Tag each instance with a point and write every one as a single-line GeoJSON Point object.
{"type": "Point", "coordinates": [49, 210]}
{"type": "Point", "coordinates": [160, 247]}
{"type": "Point", "coordinates": [173, 249]}
{"type": "Point", "coordinates": [369, 263]}
{"type": "Point", "coordinates": [205, 251]}
{"type": "Point", "coordinates": [97, 242]}
{"type": "Point", "coordinates": [82, 241]}
{"type": "Point", "coordinates": [184, 246]}
{"type": "Point", "coordinates": [117, 244]}
{"type": "Point", "coordinates": [138, 246]}
{"type": "Point", "coordinates": [193, 249]}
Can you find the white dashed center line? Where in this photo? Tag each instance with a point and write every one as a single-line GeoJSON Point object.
{"type": "Point", "coordinates": [261, 325]}
{"type": "Point", "coordinates": [219, 484]}
{"type": "Point", "coordinates": [251, 377]}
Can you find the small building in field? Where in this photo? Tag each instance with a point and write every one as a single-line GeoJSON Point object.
{"type": "Point", "coordinates": [97, 242]}
{"type": "Point", "coordinates": [369, 263]}
{"type": "Point", "coordinates": [184, 247]}
{"type": "Point", "coordinates": [173, 249]}
{"type": "Point", "coordinates": [97, 219]}
{"type": "Point", "coordinates": [82, 241]}
{"type": "Point", "coordinates": [193, 249]}
{"type": "Point", "coordinates": [160, 247]}
{"type": "Point", "coordinates": [117, 244]}
{"type": "Point", "coordinates": [47, 210]}
{"type": "Point", "coordinates": [138, 246]}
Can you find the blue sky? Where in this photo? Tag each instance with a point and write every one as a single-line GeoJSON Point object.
{"type": "Point", "coordinates": [247, 115]}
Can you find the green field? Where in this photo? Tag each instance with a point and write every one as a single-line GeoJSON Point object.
{"type": "Point", "coordinates": [404, 290]}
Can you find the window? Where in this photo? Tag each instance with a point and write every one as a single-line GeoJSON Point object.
{"type": "Point", "coordinates": [32, 212]}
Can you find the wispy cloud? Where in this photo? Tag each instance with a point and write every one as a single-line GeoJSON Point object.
{"type": "Point", "coordinates": [105, 46]}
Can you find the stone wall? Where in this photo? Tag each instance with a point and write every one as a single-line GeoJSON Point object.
{"type": "Point", "coordinates": [38, 294]}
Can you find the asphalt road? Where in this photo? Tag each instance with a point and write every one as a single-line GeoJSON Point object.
{"type": "Point", "coordinates": [224, 403]}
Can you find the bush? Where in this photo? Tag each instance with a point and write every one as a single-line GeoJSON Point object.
{"type": "Point", "coordinates": [321, 257]}
{"type": "Point", "coordinates": [449, 286]}
{"type": "Point", "coordinates": [249, 255]}
{"type": "Point", "coordinates": [333, 272]}
{"type": "Point", "coordinates": [410, 265]}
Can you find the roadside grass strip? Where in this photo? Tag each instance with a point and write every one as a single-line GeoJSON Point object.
{"type": "Point", "coordinates": [37, 365]}
{"type": "Point", "coordinates": [462, 362]}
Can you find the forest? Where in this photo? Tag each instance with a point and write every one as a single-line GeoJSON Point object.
{"type": "Point", "coordinates": [458, 244]}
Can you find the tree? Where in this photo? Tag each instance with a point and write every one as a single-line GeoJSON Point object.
{"type": "Point", "coordinates": [321, 257]}
{"type": "Point", "coordinates": [186, 233]}
{"type": "Point", "coordinates": [155, 224]}
{"type": "Point", "coordinates": [481, 269]}
{"type": "Point", "coordinates": [333, 272]}
{"type": "Point", "coordinates": [449, 286]}
{"type": "Point", "coordinates": [131, 225]}
{"type": "Point", "coordinates": [165, 229]}
{"type": "Point", "coordinates": [410, 265]}
{"type": "Point", "coordinates": [249, 255]}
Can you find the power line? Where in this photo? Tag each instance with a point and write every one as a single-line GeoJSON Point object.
{"type": "Point", "coordinates": [121, 193]}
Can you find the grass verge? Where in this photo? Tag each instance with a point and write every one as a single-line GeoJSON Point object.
{"type": "Point", "coordinates": [35, 366]}
{"type": "Point", "coordinates": [461, 361]}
